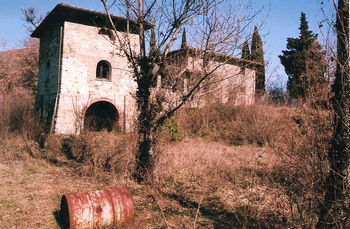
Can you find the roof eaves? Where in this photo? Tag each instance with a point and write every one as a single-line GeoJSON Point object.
{"type": "Point", "coordinates": [222, 58]}
{"type": "Point", "coordinates": [64, 12]}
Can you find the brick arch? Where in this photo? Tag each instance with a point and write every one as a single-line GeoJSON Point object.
{"type": "Point", "coordinates": [101, 115]}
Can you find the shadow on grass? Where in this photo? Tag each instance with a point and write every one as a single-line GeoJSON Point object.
{"type": "Point", "coordinates": [59, 221]}
{"type": "Point", "coordinates": [243, 217]}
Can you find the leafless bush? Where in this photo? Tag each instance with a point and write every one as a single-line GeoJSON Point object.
{"type": "Point", "coordinates": [17, 117]}
{"type": "Point", "coordinates": [98, 153]}
{"type": "Point", "coordinates": [303, 155]}
{"type": "Point", "coordinates": [171, 131]}
{"type": "Point", "coordinates": [277, 95]}
{"type": "Point", "coordinates": [235, 125]}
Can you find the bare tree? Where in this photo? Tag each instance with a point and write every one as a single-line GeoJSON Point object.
{"type": "Point", "coordinates": [28, 59]}
{"type": "Point", "coordinates": [32, 18]}
{"type": "Point", "coordinates": [216, 26]}
{"type": "Point", "coordinates": [335, 210]}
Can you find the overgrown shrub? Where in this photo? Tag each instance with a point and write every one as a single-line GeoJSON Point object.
{"type": "Point", "coordinates": [304, 165]}
{"type": "Point", "coordinates": [17, 117]}
{"type": "Point", "coordinates": [170, 131]}
{"type": "Point", "coordinates": [94, 153]}
{"type": "Point", "coordinates": [235, 125]}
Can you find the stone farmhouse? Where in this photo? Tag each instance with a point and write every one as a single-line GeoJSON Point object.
{"type": "Point", "coordinates": [81, 76]}
{"type": "Point", "coordinates": [84, 82]}
{"type": "Point", "coordinates": [232, 80]}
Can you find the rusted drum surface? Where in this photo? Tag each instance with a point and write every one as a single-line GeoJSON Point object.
{"type": "Point", "coordinates": [104, 208]}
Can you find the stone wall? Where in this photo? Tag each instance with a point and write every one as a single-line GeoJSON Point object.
{"type": "Point", "coordinates": [48, 74]}
{"type": "Point", "coordinates": [83, 47]}
{"type": "Point", "coordinates": [230, 80]}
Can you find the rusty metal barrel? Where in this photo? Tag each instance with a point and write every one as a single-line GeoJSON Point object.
{"type": "Point", "coordinates": [99, 209]}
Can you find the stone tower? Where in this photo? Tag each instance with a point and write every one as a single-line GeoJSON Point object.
{"type": "Point", "coordinates": [84, 81]}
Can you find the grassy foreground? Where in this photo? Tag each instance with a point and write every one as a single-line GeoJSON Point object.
{"type": "Point", "coordinates": [189, 189]}
{"type": "Point", "coordinates": [257, 167]}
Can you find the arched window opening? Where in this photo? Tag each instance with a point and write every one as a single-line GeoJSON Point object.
{"type": "Point", "coordinates": [103, 70]}
{"type": "Point", "coordinates": [100, 116]}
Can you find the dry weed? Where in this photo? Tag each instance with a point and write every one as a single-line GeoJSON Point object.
{"type": "Point", "coordinates": [239, 167]}
{"type": "Point", "coordinates": [235, 125]}
{"type": "Point", "coordinates": [31, 188]}
{"type": "Point", "coordinates": [218, 185]}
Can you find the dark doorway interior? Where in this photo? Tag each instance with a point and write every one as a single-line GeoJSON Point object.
{"type": "Point", "coordinates": [101, 116]}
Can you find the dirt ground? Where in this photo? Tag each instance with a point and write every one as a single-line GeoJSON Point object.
{"type": "Point", "coordinates": [31, 188]}
{"type": "Point", "coordinates": [31, 191]}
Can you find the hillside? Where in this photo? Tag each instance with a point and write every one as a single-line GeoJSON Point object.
{"type": "Point", "coordinates": [19, 68]}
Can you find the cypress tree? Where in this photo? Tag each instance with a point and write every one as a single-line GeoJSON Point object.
{"type": "Point", "coordinates": [184, 40]}
{"type": "Point", "coordinates": [335, 209]}
{"type": "Point", "coordinates": [152, 42]}
{"type": "Point", "coordinates": [257, 55]}
{"type": "Point", "coordinates": [304, 63]}
{"type": "Point", "coordinates": [245, 51]}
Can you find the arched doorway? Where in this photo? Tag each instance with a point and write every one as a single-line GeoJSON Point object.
{"type": "Point", "coordinates": [100, 116]}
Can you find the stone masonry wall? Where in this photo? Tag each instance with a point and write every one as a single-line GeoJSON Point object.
{"type": "Point", "coordinates": [48, 74]}
{"type": "Point", "coordinates": [228, 83]}
{"type": "Point", "coordinates": [83, 48]}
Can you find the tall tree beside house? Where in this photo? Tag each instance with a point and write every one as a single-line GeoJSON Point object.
{"type": "Point", "coordinates": [152, 42]}
{"type": "Point", "coordinates": [335, 209]}
{"type": "Point", "coordinates": [212, 34]}
{"type": "Point", "coordinates": [304, 63]}
{"type": "Point", "coordinates": [257, 54]}
{"type": "Point", "coordinates": [184, 39]}
{"type": "Point", "coordinates": [245, 51]}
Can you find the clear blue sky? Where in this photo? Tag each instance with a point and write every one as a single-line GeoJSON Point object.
{"type": "Point", "coordinates": [283, 19]}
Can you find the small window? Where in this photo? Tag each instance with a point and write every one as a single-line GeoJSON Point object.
{"type": "Point", "coordinates": [103, 70]}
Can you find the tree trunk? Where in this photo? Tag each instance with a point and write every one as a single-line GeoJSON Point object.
{"type": "Point", "coordinates": [144, 162]}
{"type": "Point", "coordinates": [335, 210]}
{"type": "Point", "coordinates": [146, 142]}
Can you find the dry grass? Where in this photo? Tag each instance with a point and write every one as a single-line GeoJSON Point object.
{"type": "Point", "coordinates": [191, 175]}
{"type": "Point", "coordinates": [224, 185]}
{"type": "Point", "coordinates": [31, 188]}
{"type": "Point", "coordinates": [242, 167]}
